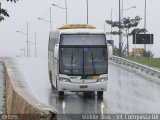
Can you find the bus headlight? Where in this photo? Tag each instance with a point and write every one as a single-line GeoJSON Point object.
{"type": "Point", "coordinates": [64, 79]}
{"type": "Point", "coordinates": [102, 79]}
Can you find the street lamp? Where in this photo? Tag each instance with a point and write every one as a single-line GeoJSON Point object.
{"type": "Point", "coordinates": [29, 43]}
{"type": "Point", "coordinates": [23, 51]}
{"type": "Point", "coordinates": [126, 10]}
{"type": "Point", "coordinates": [27, 39]}
{"type": "Point", "coordinates": [63, 8]}
{"type": "Point", "coordinates": [129, 8]}
{"type": "Point", "coordinates": [120, 19]}
{"type": "Point", "coordinates": [43, 19]}
{"type": "Point", "coordinates": [28, 54]}
{"type": "Point", "coordinates": [50, 17]}
{"type": "Point", "coordinates": [35, 43]}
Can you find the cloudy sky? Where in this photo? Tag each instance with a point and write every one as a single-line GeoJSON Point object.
{"type": "Point", "coordinates": [99, 10]}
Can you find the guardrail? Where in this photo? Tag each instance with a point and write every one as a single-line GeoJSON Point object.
{"type": "Point", "coordinates": [138, 67]}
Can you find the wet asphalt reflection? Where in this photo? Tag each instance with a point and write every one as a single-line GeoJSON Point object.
{"type": "Point", "coordinates": [77, 102]}
{"type": "Point", "coordinates": [127, 92]}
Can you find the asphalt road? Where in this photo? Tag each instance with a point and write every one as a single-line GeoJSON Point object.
{"type": "Point", "coordinates": [127, 92]}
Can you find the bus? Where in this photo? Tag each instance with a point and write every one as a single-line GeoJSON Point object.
{"type": "Point", "coordinates": [78, 59]}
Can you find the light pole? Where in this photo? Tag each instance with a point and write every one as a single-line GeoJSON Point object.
{"type": "Point", "coordinates": [111, 20]}
{"type": "Point", "coordinates": [23, 50]}
{"type": "Point", "coordinates": [28, 54]}
{"type": "Point", "coordinates": [63, 8]}
{"type": "Point", "coordinates": [0, 6]}
{"type": "Point", "coordinates": [50, 17]}
{"type": "Point", "coordinates": [28, 49]}
{"type": "Point", "coordinates": [66, 11]}
{"type": "Point", "coordinates": [120, 40]}
{"type": "Point", "coordinates": [29, 43]}
{"type": "Point", "coordinates": [87, 10]}
{"type": "Point", "coordinates": [35, 44]}
{"type": "Point", "coordinates": [120, 30]}
{"type": "Point", "coordinates": [127, 31]}
{"type": "Point", "coordinates": [145, 12]}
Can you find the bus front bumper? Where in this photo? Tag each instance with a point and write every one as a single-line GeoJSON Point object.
{"type": "Point", "coordinates": [68, 86]}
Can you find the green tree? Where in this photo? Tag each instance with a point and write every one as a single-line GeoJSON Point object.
{"type": "Point", "coordinates": [3, 12]}
{"type": "Point", "coordinates": [126, 24]}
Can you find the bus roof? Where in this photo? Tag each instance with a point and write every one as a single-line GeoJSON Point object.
{"type": "Point", "coordinates": [81, 31]}
{"type": "Point", "coordinates": [77, 26]}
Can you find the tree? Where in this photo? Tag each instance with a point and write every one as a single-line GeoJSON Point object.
{"type": "Point", "coordinates": [126, 24]}
{"type": "Point", "coordinates": [3, 12]}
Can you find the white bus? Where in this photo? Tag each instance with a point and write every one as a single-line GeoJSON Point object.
{"type": "Point", "coordinates": [78, 59]}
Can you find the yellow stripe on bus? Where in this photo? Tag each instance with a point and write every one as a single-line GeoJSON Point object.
{"type": "Point", "coordinates": [76, 26]}
{"type": "Point", "coordinates": [95, 77]}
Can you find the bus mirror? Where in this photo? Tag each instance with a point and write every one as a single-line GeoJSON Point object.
{"type": "Point", "coordinates": [110, 51]}
{"type": "Point", "coordinates": [56, 49]}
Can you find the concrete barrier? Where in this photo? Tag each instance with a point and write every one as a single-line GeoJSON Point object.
{"type": "Point", "coordinates": [143, 70]}
{"type": "Point", "coordinates": [19, 102]}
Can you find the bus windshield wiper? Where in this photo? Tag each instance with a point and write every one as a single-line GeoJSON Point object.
{"type": "Point", "coordinates": [94, 70]}
{"type": "Point", "coordinates": [72, 63]}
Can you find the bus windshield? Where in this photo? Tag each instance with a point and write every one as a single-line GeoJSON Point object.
{"type": "Point", "coordinates": [82, 59]}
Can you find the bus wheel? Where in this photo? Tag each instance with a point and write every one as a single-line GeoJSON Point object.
{"type": "Point", "coordinates": [61, 93]}
{"type": "Point", "coordinates": [100, 94]}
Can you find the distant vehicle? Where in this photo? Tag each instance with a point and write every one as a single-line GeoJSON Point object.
{"type": "Point", "coordinates": [78, 59]}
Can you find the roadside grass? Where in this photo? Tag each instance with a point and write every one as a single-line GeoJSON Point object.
{"type": "Point", "coordinates": [154, 62]}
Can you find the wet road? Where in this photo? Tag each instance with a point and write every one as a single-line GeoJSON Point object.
{"type": "Point", "coordinates": [127, 92]}
{"type": "Point", "coordinates": [1, 89]}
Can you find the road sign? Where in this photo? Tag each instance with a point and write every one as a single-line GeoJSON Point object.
{"type": "Point", "coordinates": [143, 39]}
{"type": "Point", "coordinates": [110, 42]}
